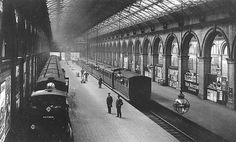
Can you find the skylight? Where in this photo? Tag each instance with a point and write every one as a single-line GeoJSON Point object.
{"type": "Point", "coordinates": [141, 11]}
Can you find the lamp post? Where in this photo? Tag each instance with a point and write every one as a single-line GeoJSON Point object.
{"type": "Point", "coordinates": [96, 47]}
{"type": "Point", "coordinates": [87, 47]}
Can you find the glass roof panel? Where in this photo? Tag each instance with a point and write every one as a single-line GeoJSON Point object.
{"type": "Point", "coordinates": [175, 2]}
{"type": "Point", "coordinates": [134, 8]}
{"type": "Point", "coordinates": [134, 17]}
{"type": "Point", "coordinates": [147, 2]}
{"type": "Point", "coordinates": [165, 7]}
{"type": "Point", "coordinates": [158, 8]}
{"type": "Point", "coordinates": [151, 12]}
{"type": "Point", "coordinates": [168, 3]}
{"type": "Point", "coordinates": [143, 13]}
{"type": "Point", "coordinates": [143, 3]}
{"type": "Point", "coordinates": [157, 12]}
{"type": "Point", "coordinates": [139, 16]}
{"type": "Point", "coordinates": [143, 10]}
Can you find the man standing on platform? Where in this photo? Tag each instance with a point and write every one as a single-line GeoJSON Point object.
{"type": "Point", "coordinates": [119, 103]}
{"type": "Point", "coordinates": [109, 102]}
{"type": "Point", "coordinates": [100, 82]}
{"type": "Point", "coordinates": [86, 74]}
{"type": "Point", "coordinates": [82, 72]}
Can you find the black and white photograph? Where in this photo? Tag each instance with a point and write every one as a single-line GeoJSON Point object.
{"type": "Point", "coordinates": [117, 70]}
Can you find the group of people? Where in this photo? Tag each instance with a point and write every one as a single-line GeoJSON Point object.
{"type": "Point", "coordinates": [109, 100]}
{"type": "Point", "coordinates": [84, 76]}
{"type": "Point", "coordinates": [119, 103]}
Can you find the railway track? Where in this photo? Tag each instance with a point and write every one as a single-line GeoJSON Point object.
{"type": "Point", "coordinates": [178, 134]}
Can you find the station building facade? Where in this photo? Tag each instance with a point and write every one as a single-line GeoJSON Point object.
{"type": "Point", "coordinates": [197, 56]}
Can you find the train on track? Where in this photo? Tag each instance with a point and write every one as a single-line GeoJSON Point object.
{"type": "Point", "coordinates": [135, 88]}
{"type": "Point", "coordinates": [48, 110]}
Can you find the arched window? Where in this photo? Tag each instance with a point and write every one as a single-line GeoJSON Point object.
{"type": "Point", "coordinates": [192, 61]}
{"type": "Point", "coordinates": [215, 58]}
{"type": "Point", "coordinates": [218, 77]}
{"type": "Point", "coordinates": [224, 61]}
{"type": "Point", "coordinates": [174, 53]}
{"type": "Point", "coordinates": [160, 55]}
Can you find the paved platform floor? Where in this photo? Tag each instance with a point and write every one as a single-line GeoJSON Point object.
{"type": "Point", "coordinates": [92, 123]}
{"type": "Point", "coordinates": [212, 116]}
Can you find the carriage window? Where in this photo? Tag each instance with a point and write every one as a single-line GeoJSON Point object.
{"type": "Point", "coordinates": [124, 81]}
{"type": "Point", "coordinates": [42, 101]}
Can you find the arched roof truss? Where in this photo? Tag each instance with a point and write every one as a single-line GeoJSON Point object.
{"type": "Point", "coordinates": [142, 11]}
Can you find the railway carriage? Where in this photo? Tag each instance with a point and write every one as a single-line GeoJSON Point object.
{"type": "Point", "coordinates": [48, 110]}
{"type": "Point", "coordinates": [134, 87]}
{"type": "Point", "coordinates": [52, 72]}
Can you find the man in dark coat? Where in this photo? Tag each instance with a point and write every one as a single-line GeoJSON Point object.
{"type": "Point", "coordinates": [86, 74]}
{"type": "Point", "coordinates": [119, 103]}
{"type": "Point", "coordinates": [109, 102]}
{"type": "Point", "coordinates": [82, 72]}
{"type": "Point", "coordinates": [100, 82]}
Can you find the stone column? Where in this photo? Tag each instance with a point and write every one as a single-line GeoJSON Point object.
{"type": "Point", "coordinates": [204, 69]}
{"type": "Point", "coordinates": [102, 54]}
{"type": "Point", "coordinates": [231, 103]}
{"type": "Point", "coordinates": [109, 57]}
{"type": "Point", "coordinates": [141, 64]}
{"type": "Point", "coordinates": [183, 68]}
{"type": "Point", "coordinates": [112, 58]}
{"type": "Point", "coordinates": [155, 59]}
{"type": "Point", "coordinates": [144, 62]}
{"type": "Point", "coordinates": [121, 60]}
{"type": "Point", "coordinates": [166, 64]}
{"type": "Point", "coordinates": [133, 62]}
{"type": "Point", "coordinates": [136, 61]}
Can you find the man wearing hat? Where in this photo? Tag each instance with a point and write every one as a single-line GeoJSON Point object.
{"type": "Point", "coordinates": [109, 102]}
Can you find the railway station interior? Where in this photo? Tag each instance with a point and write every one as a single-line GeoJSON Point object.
{"type": "Point", "coordinates": [150, 53]}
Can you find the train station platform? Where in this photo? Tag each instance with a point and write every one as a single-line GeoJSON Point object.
{"type": "Point", "coordinates": [91, 122]}
{"type": "Point", "coordinates": [214, 117]}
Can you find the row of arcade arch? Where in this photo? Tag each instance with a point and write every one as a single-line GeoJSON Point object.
{"type": "Point", "coordinates": [200, 68]}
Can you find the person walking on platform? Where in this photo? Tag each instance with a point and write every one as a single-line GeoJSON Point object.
{"type": "Point", "coordinates": [83, 79]}
{"type": "Point", "coordinates": [119, 103]}
{"type": "Point", "coordinates": [86, 74]}
{"type": "Point", "coordinates": [109, 102]}
{"type": "Point", "coordinates": [82, 72]}
{"type": "Point", "coordinates": [100, 82]}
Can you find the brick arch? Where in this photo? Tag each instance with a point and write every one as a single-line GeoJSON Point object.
{"type": "Point", "coordinates": [224, 45]}
{"type": "Point", "coordinates": [137, 46]}
{"type": "Point", "coordinates": [185, 45]}
{"type": "Point", "coordinates": [146, 41]}
{"type": "Point", "coordinates": [109, 46]}
{"type": "Point", "coordinates": [114, 46]}
{"type": "Point", "coordinates": [119, 46]}
{"type": "Point", "coordinates": [168, 43]}
{"type": "Point", "coordinates": [124, 47]}
{"type": "Point", "coordinates": [130, 45]}
{"type": "Point", "coordinates": [156, 41]}
{"type": "Point", "coordinates": [209, 38]}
